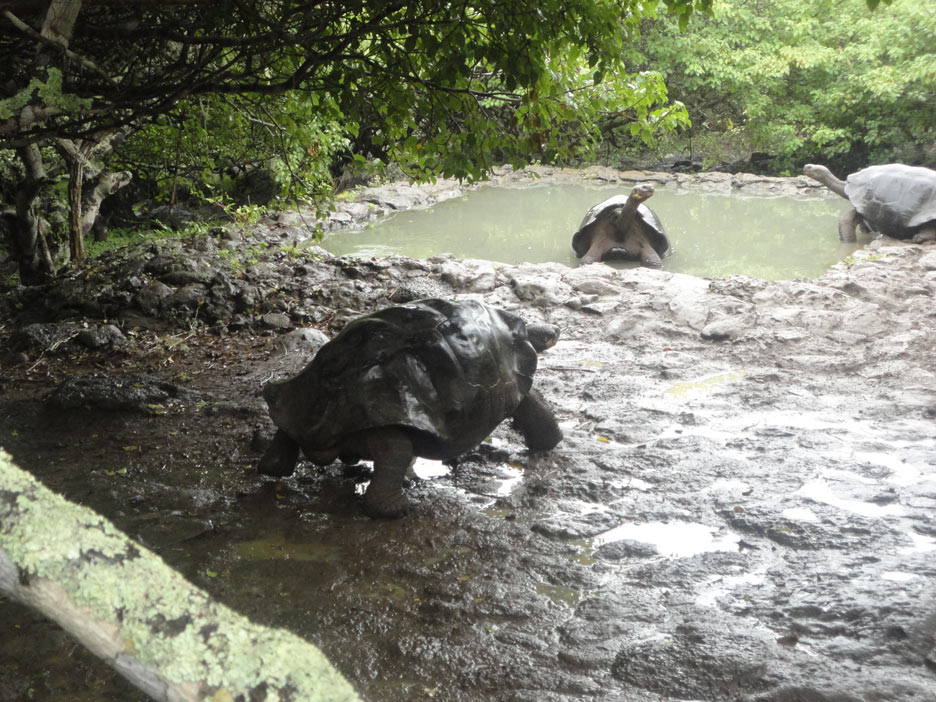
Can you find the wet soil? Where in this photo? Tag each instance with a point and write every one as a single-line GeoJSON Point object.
{"type": "Point", "coordinates": [743, 507]}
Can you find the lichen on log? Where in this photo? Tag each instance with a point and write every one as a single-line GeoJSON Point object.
{"type": "Point", "coordinates": [121, 601]}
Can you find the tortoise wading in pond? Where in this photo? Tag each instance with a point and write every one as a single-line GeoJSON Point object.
{"type": "Point", "coordinates": [893, 199]}
{"type": "Point", "coordinates": [622, 227]}
{"type": "Point", "coordinates": [431, 378]}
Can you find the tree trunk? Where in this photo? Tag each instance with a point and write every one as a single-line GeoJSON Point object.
{"type": "Point", "coordinates": [30, 248]}
{"type": "Point", "coordinates": [75, 233]}
{"type": "Point", "coordinates": [84, 203]}
{"type": "Point", "coordinates": [106, 184]}
{"type": "Point", "coordinates": [159, 631]}
{"type": "Point", "coordinates": [60, 21]}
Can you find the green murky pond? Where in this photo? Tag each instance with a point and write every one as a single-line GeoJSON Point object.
{"type": "Point", "coordinates": [774, 238]}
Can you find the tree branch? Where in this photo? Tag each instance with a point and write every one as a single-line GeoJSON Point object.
{"type": "Point", "coordinates": [48, 41]}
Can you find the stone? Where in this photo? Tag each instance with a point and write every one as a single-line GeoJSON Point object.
{"type": "Point", "coordinates": [306, 340]}
{"type": "Point", "coordinates": [276, 320]}
{"type": "Point", "coordinates": [45, 337]}
{"type": "Point", "coordinates": [101, 336]}
{"type": "Point", "coordinates": [115, 393]}
{"type": "Point", "coordinates": [149, 298]}
{"type": "Point", "coordinates": [725, 329]}
{"type": "Point", "coordinates": [470, 275]}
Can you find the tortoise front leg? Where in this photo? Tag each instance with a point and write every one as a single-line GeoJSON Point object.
{"type": "Point", "coordinates": [392, 453]}
{"type": "Point", "coordinates": [602, 239]}
{"type": "Point", "coordinates": [536, 422]}
{"type": "Point", "coordinates": [281, 456]}
{"type": "Point", "coordinates": [649, 257]}
{"type": "Point", "coordinates": [847, 225]}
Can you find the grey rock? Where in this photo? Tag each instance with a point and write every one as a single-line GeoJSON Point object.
{"type": "Point", "coordinates": [116, 393]}
{"type": "Point", "coordinates": [188, 276]}
{"type": "Point", "coordinates": [174, 217]}
{"type": "Point", "coordinates": [469, 275]}
{"type": "Point", "coordinates": [276, 320]}
{"type": "Point", "coordinates": [45, 337]}
{"type": "Point", "coordinates": [190, 296]}
{"type": "Point", "coordinates": [101, 336]}
{"type": "Point", "coordinates": [304, 341]}
{"type": "Point", "coordinates": [725, 329]}
{"type": "Point", "coordinates": [149, 298]}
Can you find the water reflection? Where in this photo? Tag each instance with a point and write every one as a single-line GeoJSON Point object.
{"type": "Point", "coordinates": [674, 539]}
{"type": "Point", "coordinates": [712, 235]}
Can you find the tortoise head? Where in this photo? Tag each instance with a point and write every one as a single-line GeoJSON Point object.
{"type": "Point", "coordinates": [826, 177]}
{"type": "Point", "coordinates": [271, 391]}
{"type": "Point", "coordinates": [642, 192]}
{"type": "Point", "coordinates": [816, 172]}
{"type": "Point", "coordinates": [542, 336]}
{"type": "Point", "coordinates": [281, 400]}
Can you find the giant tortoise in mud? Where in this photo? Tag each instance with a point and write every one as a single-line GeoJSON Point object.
{"type": "Point", "coordinates": [622, 227]}
{"type": "Point", "coordinates": [431, 378]}
{"type": "Point", "coordinates": [893, 199]}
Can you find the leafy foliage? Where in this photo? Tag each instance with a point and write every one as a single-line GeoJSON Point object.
{"type": "Point", "coordinates": [806, 77]}
{"type": "Point", "coordinates": [203, 142]}
{"type": "Point", "coordinates": [205, 87]}
{"type": "Point", "coordinates": [528, 83]}
{"type": "Point", "coordinates": [436, 80]}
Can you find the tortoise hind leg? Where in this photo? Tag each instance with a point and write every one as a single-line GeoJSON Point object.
{"type": "Point", "coordinates": [392, 453]}
{"type": "Point", "coordinates": [536, 422]}
{"type": "Point", "coordinates": [638, 241]}
{"type": "Point", "coordinates": [925, 234]}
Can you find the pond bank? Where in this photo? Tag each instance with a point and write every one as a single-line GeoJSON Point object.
{"type": "Point", "coordinates": [741, 509]}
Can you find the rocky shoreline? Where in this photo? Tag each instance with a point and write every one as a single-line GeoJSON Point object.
{"type": "Point", "coordinates": [165, 282]}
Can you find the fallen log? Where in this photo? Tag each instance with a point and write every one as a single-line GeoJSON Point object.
{"type": "Point", "coordinates": [121, 601]}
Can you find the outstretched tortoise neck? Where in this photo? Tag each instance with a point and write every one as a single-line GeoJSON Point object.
{"type": "Point", "coordinates": [826, 177]}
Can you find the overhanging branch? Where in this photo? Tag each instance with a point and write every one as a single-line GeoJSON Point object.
{"type": "Point", "coordinates": [48, 41]}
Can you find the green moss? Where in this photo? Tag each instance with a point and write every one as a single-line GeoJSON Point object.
{"type": "Point", "coordinates": [50, 93]}
{"type": "Point", "coordinates": [164, 620]}
{"type": "Point", "coordinates": [119, 238]}
{"type": "Point", "coordinates": [276, 547]}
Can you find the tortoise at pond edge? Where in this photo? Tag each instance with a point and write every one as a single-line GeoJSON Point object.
{"type": "Point", "coordinates": [431, 378]}
{"type": "Point", "coordinates": [622, 227]}
{"type": "Point", "coordinates": [893, 199]}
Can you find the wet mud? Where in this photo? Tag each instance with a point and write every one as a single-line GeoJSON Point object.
{"type": "Point", "coordinates": [743, 507]}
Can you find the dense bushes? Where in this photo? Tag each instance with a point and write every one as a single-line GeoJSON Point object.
{"type": "Point", "coordinates": [828, 80]}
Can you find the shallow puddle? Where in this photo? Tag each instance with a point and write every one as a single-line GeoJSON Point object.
{"type": "Point", "coordinates": [560, 595]}
{"type": "Point", "coordinates": [718, 586]}
{"type": "Point", "coordinates": [898, 576]}
{"type": "Point", "coordinates": [700, 387]}
{"type": "Point", "coordinates": [503, 478]}
{"type": "Point", "coordinates": [799, 514]}
{"type": "Point", "coordinates": [671, 539]}
{"type": "Point", "coordinates": [275, 546]}
{"type": "Point", "coordinates": [821, 491]}
{"type": "Point", "coordinates": [427, 470]}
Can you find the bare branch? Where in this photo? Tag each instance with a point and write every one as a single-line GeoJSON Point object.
{"type": "Point", "coordinates": [33, 34]}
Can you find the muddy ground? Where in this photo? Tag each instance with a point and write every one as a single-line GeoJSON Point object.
{"type": "Point", "coordinates": [743, 507]}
